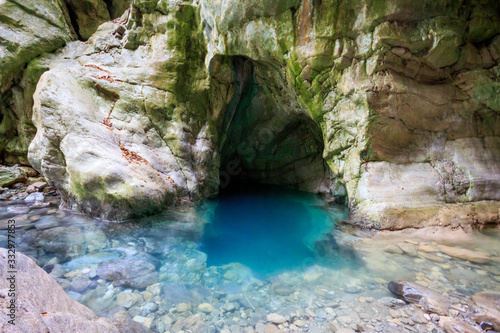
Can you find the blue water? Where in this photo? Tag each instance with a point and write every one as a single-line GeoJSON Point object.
{"type": "Point", "coordinates": [268, 229]}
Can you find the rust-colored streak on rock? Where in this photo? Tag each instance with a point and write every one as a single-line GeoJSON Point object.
{"type": "Point", "coordinates": [305, 22]}
{"type": "Point", "coordinates": [131, 156]}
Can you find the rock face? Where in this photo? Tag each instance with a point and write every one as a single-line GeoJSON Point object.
{"type": "Point", "coordinates": [42, 305]}
{"type": "Point", "coordinates": [30, 30]}
{"type": "Point", "coordinates": [90, 14]}
{"type": "Point", "coordinates": [393, 104]}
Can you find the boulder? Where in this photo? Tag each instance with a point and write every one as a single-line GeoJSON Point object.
{"type": "Point", "coordinates": [29, 29]}
{"type": "Point", "coordinates": [11, 175]}
{"type": "Point", "coordinates": [41, 304]}
{"type": "Point", "coordinates": [430, 300]}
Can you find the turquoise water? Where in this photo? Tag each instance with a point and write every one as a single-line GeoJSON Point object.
{"type": "Point", "coordinates": [247, 253]}
{"type": "Point", "coordinates": [268, 229]}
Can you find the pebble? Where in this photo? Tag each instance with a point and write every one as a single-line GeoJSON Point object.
{"type": "Point", "coordinates": [182, 307]}
{"type": "Point", "coordinates": [144, 321]}
{"type": "Point", "coordinates": [276, 318]}
{"type": "Point", "coordinates": [205, 307]}
{"type": "Point", "coordinates": [353, 290]}
{"type": "Point", "coordinates": [299, 323]}
{"type": "Point", "coordinates": [228, 307]}
{"type": "Point", "coordinates": [127, 299]}
{"type": "Point", "coordinates": [271, 329]}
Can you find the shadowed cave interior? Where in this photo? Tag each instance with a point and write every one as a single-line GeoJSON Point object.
{"type": "Point", "coordinates": [266, 137]}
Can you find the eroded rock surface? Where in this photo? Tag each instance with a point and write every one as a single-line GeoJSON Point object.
{"type": "Point", "coordinates": [30, 31]}
{"type": "Point", "coordinates": [41, 304]}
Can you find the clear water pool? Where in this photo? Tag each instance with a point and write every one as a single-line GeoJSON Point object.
{"type": "Point", "coordinates": [269, 229]}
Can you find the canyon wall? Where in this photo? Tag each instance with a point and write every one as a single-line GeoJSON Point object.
{"type": "Point", "coordinates": [392, 105]}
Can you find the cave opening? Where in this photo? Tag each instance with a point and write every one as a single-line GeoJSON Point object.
{"type": "Point", "coordinates": [267, 138]}
{"type": "Point", "coordinates": [271, 156]}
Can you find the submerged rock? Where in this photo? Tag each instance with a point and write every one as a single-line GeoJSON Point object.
{"type": "Point", "coordinates": [430, 300]}
{"type": "Point", "coordinates": [127, 299]}
{"type": "Point", "coordinates": [477, 257]}
{"type": "Point", "coordinates": [64, 242]}
{"type": "Point", "coordinates": [489, 301]}
{"type": "Point", "coordinates": [205, 307]}
{"type": "Point", "coordinates": [42, 305]}
{"type": "Point", "coordinates": [18, 209]}
{"type": "Point", "coordinates": [276, 318]}
{"type": "Point", "coordinates": [192, 323]}
{"type": "Point", "coordinates": [452, 325]}
{"type": "Point", "coordinates": [128, 272]}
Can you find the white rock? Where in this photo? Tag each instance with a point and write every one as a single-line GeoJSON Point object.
{"type": "Point", "coordinates": [276, 318]}
{"type": "Point", "coordinates": [205, 307]}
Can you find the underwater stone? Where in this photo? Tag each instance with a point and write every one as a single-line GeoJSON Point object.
{"type": "Point", "coordinates": [276, 318]}
{"type": "Point", "coordinates": [488, 300]}
{"type": "Point", "coordinates": [128, 272]}
{"type": "Point", "coordinates": [430, 300]}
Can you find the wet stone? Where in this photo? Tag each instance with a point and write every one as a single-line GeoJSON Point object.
{"type": "Point", "coordinates": [353, 290]}
{"type": "Point", "coordinates": [271, 329]}
{"type": "Point", "coordinates": [18, 210]}
{"type": "Point", "coordinates": [80, 284]}
{"type": "Point", "coordinates": [276, 318]}
{"type": "Point", "coordinates": [128, 272]}
{"type": "Point", "coordinates": [35, 197]}
{"type": "Point", "coordinates": [490, 302]}
{"type": "Point", "coordinates": [430, 300]}
{"type": "Point", "coordinates": [409, 249]}
{"type": "Point", "coordinates": [127, 299]}
{"type": "Point", "coordinates": [205, 307]}
{"type": "Point", "coordinates": [478, 257]}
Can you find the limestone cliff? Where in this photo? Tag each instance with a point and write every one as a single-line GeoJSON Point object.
{"type": "Point", "coordinates": [392, 103]}
{"type": "Point", "coordinates": [30, 31]}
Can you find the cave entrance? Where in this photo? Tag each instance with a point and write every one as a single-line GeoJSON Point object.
{"type": "Point", "coordinates": [266, 136]}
